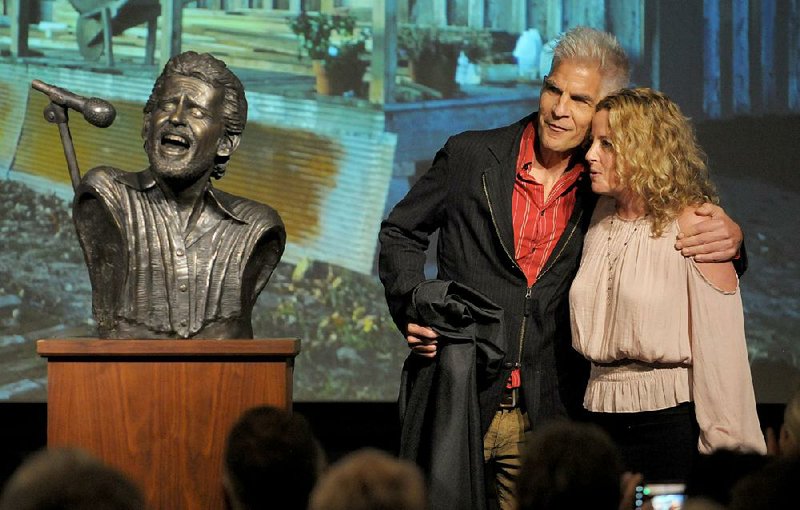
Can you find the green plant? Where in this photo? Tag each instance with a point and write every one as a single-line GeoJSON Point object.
{"type": "Point", "coordinates": [417, 41]}
{"type": "Point", "coordinates": [349, 341]}
{"type": "Point", "coordinates": [329, 37]}
{"type": "Point", "coordinates": [346, 67]}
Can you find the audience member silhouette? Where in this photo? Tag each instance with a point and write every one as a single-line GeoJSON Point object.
{"type": "Point", "coordinates": [370, 480]}
{"type": "Point", "coordinates": [69, 479]}
{"type": "Point", "coordinates": [272, 460]}
{"type": "Point", "coordinates": [714, 475]}
{"type": "Point", "coordinates": [770, 487]}
{"type": "Point", "coordinates": [570, 465]}
{"type": "Point", "coordinates": [789, 438]}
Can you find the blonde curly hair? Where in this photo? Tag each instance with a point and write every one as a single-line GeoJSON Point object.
{"type": "Point", "coordinates": [657, 155]}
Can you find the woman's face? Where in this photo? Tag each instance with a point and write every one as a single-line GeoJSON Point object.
{"type": "Point", "coordinates": [602, 158]}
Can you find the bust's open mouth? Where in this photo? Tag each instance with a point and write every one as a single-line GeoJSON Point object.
{"type": "Point", "coordinates": [172, 143]}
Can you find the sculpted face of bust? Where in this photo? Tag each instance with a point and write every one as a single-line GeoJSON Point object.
{"type": "Point", "coordinates": [185, 132]}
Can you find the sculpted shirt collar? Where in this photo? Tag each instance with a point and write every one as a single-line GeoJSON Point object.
{"type": "Point", "coordinates": [144, 180]}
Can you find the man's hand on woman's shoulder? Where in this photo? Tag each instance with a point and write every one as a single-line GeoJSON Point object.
{"type": "Point", "coordinates": [713, 238]}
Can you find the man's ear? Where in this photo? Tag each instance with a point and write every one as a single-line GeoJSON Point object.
{"type": "Point", "coordinates": [228, 144]}
{"type": "Point", "coordinates": [145, 128]}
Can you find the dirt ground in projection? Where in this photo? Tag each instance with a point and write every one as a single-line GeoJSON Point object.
{"type": "Point", "coordinates": [347, 334]}
{"type": "Point", "coordinates": [351, 350]}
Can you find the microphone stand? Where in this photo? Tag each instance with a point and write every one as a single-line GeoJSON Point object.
{"type": "Point", "coordinates": [57, 114]}
{"type": "Point", "coordinates": [97, 112]}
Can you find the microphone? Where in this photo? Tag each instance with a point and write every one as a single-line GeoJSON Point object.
{"type": "Point", "coordinates": [97, 112]}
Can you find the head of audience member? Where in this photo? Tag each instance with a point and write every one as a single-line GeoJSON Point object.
{"type": "Point", "coordinates": [644, 149]}
{"type": "Point", "coordinates": [714, 475]}
{"type": "Point", "coordinates": [789, 438]}
{"type": "Point", "coordinates": [69, 479]}
{"type": "Point", "coordinates": [272, 460]}
{"type": "Point", "coordinates": [570, 465]}
{"type": "Point", "coordinates": [768, 488]}
{"type": "Point", "coordinates": [370, 480]}
{"type": "Point", "coordinates": [701, 504]}
{"type": "Point", "coordinates": [587, 65]}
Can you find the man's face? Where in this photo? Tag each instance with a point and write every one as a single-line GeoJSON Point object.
{"type": "Point", "coordinates": [566, 105]}
{"type": "Point", "coordinates": [186, 130]}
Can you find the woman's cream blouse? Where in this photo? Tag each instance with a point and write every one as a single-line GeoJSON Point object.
{"type": "Point", "coordinates": [659, 333]}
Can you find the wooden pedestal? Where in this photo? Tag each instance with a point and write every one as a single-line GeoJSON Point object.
{"type": "Point", "coordinates": [160, 410]}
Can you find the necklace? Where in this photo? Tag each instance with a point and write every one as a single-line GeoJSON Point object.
{"type": "Point", "coordinates": [613, 260]}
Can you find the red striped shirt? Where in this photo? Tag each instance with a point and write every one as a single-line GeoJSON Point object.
{"type": "Point", "coordinates": [539, 221]}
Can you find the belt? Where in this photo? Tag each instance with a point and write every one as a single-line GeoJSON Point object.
{"type": "Point", "coordinates": [510, 398]}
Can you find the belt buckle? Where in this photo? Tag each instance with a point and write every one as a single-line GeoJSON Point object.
{"type": "Point", "coordinates": [509, 400]}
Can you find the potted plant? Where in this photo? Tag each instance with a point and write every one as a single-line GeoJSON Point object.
{"type": "Point", "coordinates": [337, 50]}
{"type": "Point", "coordinates": [432, 53]}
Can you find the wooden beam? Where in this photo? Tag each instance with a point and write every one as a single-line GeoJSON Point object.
{"type": "Point", "coordinates": [439, 14]}
{"type": "Point", "coordinates": [741, 56]}
{"type": "Point", "coordinates": [793, 92]}
{"type": "Point", "coordinates": [20, 19]}
{"type": "Point", "coordinates": [654, 41]}
{"type": "Point", "coordinates": [384, 53]}
{"type": "Point", "coordinates": [430, 12]}
{"type": "Point", "coordinates": [475, 14]}
{"type": "Point", "coordinates": [518, 17]}
{"type": "Point", "coordinates": [108, 46]}
{"type": "Point", "coordinates": [711, 56]}
{"type": "Point", "coordinates": [626, 22]}
{"type": "Point", "coordinates": [402, 11]}
{"type": "Point", "coordinates": [171, 29]}
{"type": "Point", "coordinates": [539, 21]}
{"type": "Point", "coordinates": [769, 85]}
{"type": "Point", "coordinates": [555, 19]}
{"type": "Point", "coordinates": [591, 13]}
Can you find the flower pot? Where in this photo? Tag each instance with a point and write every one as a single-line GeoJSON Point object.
{"type": "Point", "coordinates": [435, 71]}
{"type": "Point", "coordinates": [322, 81]}
{"type": "Point", "coordinates": [337, 77]}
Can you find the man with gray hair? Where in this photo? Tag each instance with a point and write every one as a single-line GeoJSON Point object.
{"type": "Point", "coordinates": [511, 206]}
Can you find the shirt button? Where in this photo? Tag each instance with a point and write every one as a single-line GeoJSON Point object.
{"type": "Point", "coordinates": [184, 322]}
{"type": "Point", "coordinates": [179, 252]}
{"type": "Point", "coordinates": [183, 287]}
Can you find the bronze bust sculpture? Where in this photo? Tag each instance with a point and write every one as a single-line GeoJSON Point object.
{"type": "Point", "coordinates": [169, 255]}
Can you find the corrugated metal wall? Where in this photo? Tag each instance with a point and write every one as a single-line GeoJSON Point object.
{"type": "Point", "coordinates": [13, 94]}
{"type": "Point", "coordinates": [325, 166]}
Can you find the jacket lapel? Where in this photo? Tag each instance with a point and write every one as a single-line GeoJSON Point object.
{"type": "Point", "coordinates": [498, 181]}
{"type": "Point", "coordinates": [581, 214]}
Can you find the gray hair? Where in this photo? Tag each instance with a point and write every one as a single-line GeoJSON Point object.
{"type": "Point", "coordinates": [589, 45]}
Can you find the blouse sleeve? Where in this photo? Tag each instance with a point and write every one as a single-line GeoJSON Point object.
{"type": "Point", "coordinates": [721, 382]}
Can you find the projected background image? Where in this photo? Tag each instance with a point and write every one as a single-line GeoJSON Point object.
{"type": "Point", "coordinates": [334, 165]}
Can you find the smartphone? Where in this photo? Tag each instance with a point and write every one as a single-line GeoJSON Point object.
{"type": "Point", "coordinates": [660, 496]}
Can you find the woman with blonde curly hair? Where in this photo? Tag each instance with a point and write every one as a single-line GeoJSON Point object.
{"type": "Point", "coordinates": [665, 334]}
